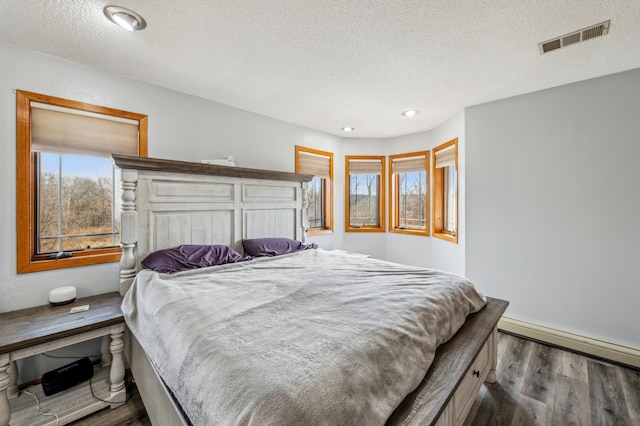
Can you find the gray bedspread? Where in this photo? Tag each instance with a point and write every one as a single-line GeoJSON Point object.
{"type": "Point", "coordinates": [310, 338]}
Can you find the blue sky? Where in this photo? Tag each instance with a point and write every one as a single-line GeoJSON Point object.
{"type": "Point", "coordinates": [76, 165]}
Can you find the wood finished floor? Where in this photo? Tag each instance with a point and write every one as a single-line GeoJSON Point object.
{"type": "Point", "coordinates": [130, 414]}
{"type": "Point", "coordinates": [543, 385]}
{"type": "Point", "coordinates": [537, 385]}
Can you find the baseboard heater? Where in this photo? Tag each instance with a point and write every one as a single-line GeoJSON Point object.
{"type": "Point", "coordinates": [610, 351]}
{"type": "Point", "coordinates": [64, 377]}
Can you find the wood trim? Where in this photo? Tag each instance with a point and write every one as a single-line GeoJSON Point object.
{"type": "Point", "coordinates": [79, 259]}
{"type": "Point", "coordinates": [26, 261]}
{"type": "Point", "coordinates": [446, 237]}
{"type": "Point", "coordinates": [438, 202]}
{"type": "Point", "coordinates": [437, 212]}
{"type": "Point", "coordinates": [24, 184]}
{"type": "Point", "coordinates": [314, 232]}
{"type": "Point", "coordinates": [52, 100]}
{"type": "Point", "coordinates": [417, 232]}
{"type": "Point", "coordinates": [381, 198]}
{"type": "Point", "coordinates": [394, 196]}
{"type": "Point", "coordinates": [600, 348]}
{"type": "Point", "coordinates": [328, 192]}
{"type": "Point", "coordinates": [143, 136]}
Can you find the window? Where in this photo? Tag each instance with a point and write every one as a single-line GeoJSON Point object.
{"type": "Point", "coordinates": [445, 191]}
{"type": "Point", "coordinates": [365, 176]}
{"type": "Point", "coordinates": [67, 188]}
{"type": "Point", "coordinates": [409, 186]}
{"type": "Point", "coordinates": [320, 189]}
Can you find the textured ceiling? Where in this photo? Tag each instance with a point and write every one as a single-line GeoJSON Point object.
{"type": "Point", "coordinates": [325, 64]}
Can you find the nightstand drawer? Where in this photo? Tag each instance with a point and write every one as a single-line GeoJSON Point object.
{"type": "Point", "coordinates": [471, 382]}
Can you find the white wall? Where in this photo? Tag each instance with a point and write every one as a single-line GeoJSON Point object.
{"type": "Point", "coordinates": [181, 127]}
{"type": "Point", "coordinates": [553, 206]}
{"type": "Point", "coordinates": [433, 252]}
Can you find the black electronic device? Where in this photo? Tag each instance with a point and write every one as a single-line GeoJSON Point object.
{"type": "Point", "coordinates": [69, 375]}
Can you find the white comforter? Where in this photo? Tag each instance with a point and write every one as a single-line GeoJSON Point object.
{"type": "Point", "coordinates": [309, 338]}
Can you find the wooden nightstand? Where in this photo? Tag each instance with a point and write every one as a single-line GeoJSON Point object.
{"type": "Point", "coordinates": [36, 330]}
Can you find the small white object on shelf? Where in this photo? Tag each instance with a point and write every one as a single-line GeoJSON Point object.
{"type": "Point", "coordinates": [62, 295]}
{"type": "Point", "coordinates": [77, 309]}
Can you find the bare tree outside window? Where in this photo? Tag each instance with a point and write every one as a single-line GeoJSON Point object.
{"type": "Point", "coordinates": [364, 205]}
{"type": "Point", "coordinates": [413, 192]}
{"type": "Point", "coordinates": [409, 183]}
{"type": "Point", "coordinates": [315, 203]}
{"type": "Point", "coordinates": [76, 203]}
{"type": "Point", "coordinates": [365, 193]}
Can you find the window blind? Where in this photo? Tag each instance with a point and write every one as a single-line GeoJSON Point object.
{"type": "Point", "coordinates": [365, 167]}
{"type": "Point", "coordinates": [314, 164]}
{"type": "Point", "coordinates": [69, 131]}
{"type": "Point", "coordinates": [446, 157]}
{"type": "Point", "coordinates": [409, 164]}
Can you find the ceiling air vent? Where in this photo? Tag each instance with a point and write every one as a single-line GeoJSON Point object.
{"type": "Point", "coordinates": [575, 37]}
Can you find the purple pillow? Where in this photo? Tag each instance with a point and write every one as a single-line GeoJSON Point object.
{"type": "Point", "coordinates": [186, 257]}
{"type": "Point", "coordinates": [259, 247]}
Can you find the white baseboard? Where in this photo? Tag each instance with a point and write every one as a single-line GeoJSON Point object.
{"type": "Point", "coordinates": [600, 348]}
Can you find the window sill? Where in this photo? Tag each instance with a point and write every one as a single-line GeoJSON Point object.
{"type": "Point", "coordinates": [446, 237]}
{"type": "Point", "coordinates": [365, 229]}
{"type": "Point", "coordinates": [68, 262]}
{"type": "Point", "coordinates": [315, 232]}
{"type": "Point", "coordinates": [418, 232]}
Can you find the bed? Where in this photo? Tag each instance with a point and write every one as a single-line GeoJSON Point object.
{"type": "Point", "coordinates": [169, 203]}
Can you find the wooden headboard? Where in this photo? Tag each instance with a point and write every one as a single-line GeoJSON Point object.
{"type": "Point", "coordinates": [166, 203]}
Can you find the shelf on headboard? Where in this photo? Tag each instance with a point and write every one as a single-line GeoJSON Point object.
{"type": "Point", "coordinates": [163, 165]}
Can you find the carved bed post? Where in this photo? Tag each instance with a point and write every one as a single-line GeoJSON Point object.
{"type": "Point", "coordinates": [128, 229]}
{"type": "Point", "coordinates": [116, 374]}
{"type": "Point", "coordinates": [493, 356]}
{"type": "Point", "coordinates": [13, 391]}
{"type": "Point", "coordinates": [5, 381]}
{"type": "Point", "coordinates": [305, 216]}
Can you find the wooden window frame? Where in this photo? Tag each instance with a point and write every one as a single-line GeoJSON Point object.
{"type": "Point", "coordinates": [328, 192]}
{"type": "Point", "coordinates": [394, 196]}
{"type": "Point", "coordinates": [27, 260]}
{"type": "Point", "coordinates": [437, 217]}
{"type": "Point", "coordinates": [381, 199]}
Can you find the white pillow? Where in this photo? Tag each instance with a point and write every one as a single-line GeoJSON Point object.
{"type": "Point", "coordinates": [221, 161]}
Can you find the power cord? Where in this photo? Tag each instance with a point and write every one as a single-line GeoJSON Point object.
{"type": "Point", "coordinates": [94, 395]}
{"type": "Point", "coordinates": [38, 407]}
{"type": "Point", "coordinates": [127, 393]}
{"type": "Point", "coordinates": [39, 412]}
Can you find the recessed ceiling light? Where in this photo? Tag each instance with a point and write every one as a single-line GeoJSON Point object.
{"type": "Point", "coordinates": [125, 18]}
{"type": "Point", "coordinates": [411, 113]}
{"type": "Point", "coordinates": [348, 129]}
